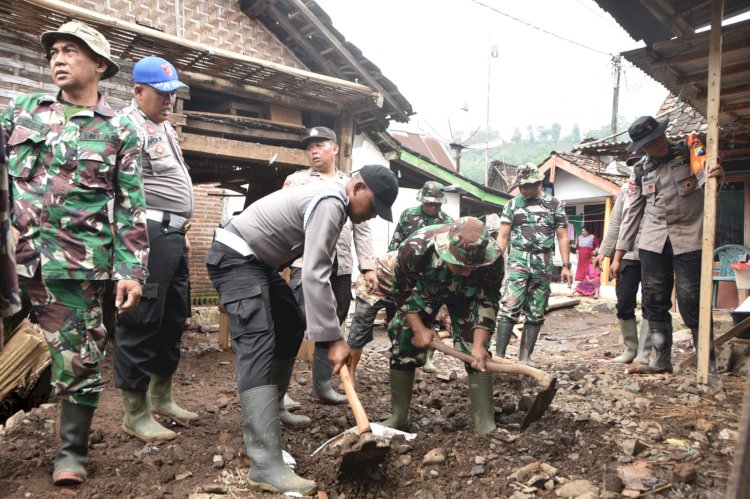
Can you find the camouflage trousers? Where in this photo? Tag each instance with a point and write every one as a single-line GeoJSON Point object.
{"type": "Point", "coordinates": [405, 356]}
{"type": "Point", "coordinates": [70, 314]}
{"type": "Point", "coordinates": [526, 287]}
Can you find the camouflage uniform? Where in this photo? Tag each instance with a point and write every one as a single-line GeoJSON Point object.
{"type": "Point", "coordinates": [10, 300]}
{"type": "Point", "coordinates": [413, 219]}
{"type": "Point", "coordinates": [63, 175]}
{"type": "Point", "coordinates": [368, 302]}
{"type": "Point", "coordinates": [422, 283]}
{"type": "Point", "coordinates": [532, 244]}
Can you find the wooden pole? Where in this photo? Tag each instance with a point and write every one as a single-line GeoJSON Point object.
{"type": "Point", "coordinates": [710, 190]}
{"type": "Point", "coordinates": [607, 217]}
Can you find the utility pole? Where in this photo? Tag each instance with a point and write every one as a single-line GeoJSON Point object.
{"type": "Point", "coordinates": [492, 55]}
{"type": "Point", "coordinates": [616, 66]}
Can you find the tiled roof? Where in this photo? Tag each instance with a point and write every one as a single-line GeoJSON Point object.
{"type": "Point", "coordinates": [684, 119]}
{"type": "Point", "coordinates": [496, 181]}
{"type": "Point", "coordinates": [593, 165]}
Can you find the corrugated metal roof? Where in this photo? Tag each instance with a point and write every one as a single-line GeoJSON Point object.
{"type": "Point", "coordinates": [426, 147]}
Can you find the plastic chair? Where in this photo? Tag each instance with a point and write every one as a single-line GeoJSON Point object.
{"type": "Point", "coordinates": [727, 255]}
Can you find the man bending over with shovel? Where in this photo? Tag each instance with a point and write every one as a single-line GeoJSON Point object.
{"type": "Point", "coordinates": [264, 319]}
{"type": "Point", "coordinates": [437, 266]}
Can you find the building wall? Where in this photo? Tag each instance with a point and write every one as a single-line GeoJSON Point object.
{"type": "Point", "coordinates": [206, 217]}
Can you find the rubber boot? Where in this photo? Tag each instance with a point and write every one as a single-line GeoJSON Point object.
{"type": "Point", "coordinates": [504, 333]}
{"type": "Point", "coordinates": [162, 403]}
{"type": "Point", "coordinates": [281, 375]}
{"type": "Point", "coordinates": [322, 371]}
{"type": "Point", "coordinates": [261, 430]}
{"type": "Point", "coordinates": [711, 352]}
{"type": "Point", "coordinates": [644, 344]}
{"type": "Point", "coordinates": [428, 366]}
{"type": "Point", "coordinates": [75, 425]}
{"type": "Point", "coordinates": [402, 383]}
{"type": "Point", "coordinates": [629, 331]}
{"type": "Point", "coordinates": [290, 404]}
{"type": "Point", "coordinates": [528, 340]}
{"type": "Point", "coordinates": [138, 420]}
{"type": "Point", "coordinates": [662, 340]}
{"type": "Point", "coordinates": [482, 403]}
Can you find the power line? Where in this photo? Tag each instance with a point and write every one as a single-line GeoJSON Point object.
{"type": "Point", "coordinates": [540, 29]}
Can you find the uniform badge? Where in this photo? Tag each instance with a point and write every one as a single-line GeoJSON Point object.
{"type": "Point", "coordinates": [167, 69]}
{"type": "Point", "coordinates": [649, 187]}
{"type": "Point", "coordinates": [159, 149]}
{"type": "Point", "coordinates": [688, 185]}
{"type": "Point", "coordinates": [150, 129]}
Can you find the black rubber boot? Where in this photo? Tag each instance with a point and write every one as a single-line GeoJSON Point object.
{"type": "Point", "coordinates": [75, 425]}
{"type": "Point", "coordinates": [402, 383]}
{"type": "Point", "coordinates": [528, 340]}
{"type": "Point", "coordinates": [261, 429]}
{"type": "Point", "coordinates": [711, 352]}
{"type": "Point", "coordinates": [504, 333]}
{"type": "Point", "coordinates": [281, 375]}
{"type": "Point", "coordinates": [482, 404]}
{"type": "Point", "coordinates": [662, 339]}
{"type": "Point", "coordinates": [322, 371]}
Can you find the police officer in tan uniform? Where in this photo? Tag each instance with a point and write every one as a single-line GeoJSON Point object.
{"type": "Point", "coordinates": [148, 338]}
{"type": "Point", "coordinates": [666, 194]}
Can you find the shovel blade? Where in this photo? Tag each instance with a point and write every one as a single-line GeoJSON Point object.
{"type": "Point", "coordinates": [541, 403]}
{"type": "Point", "coordinates": [367, 452]}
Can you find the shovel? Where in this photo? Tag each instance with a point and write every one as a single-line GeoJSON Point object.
{"type": "Point", "coordinates": [366, 445]}
{"type": "Point", "coordinates": [547, 382]}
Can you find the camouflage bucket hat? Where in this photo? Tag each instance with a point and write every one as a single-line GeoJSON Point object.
{"type": "Point", "coordinates": [528, 174]}
{"type": "Point", "coordinates": [432, 192]}
{"type": "Point", "coordinates": [90, 37]}
{"type": "Point", "coordinates": [466, 242]}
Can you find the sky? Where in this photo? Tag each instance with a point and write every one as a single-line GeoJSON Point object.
{"type": "Point", "coordinates": [437, 52]}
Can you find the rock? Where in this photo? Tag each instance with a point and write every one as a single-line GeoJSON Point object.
{"type": "Point", "coordinates": [704, 425]}
{"type": "Point", "coordinates": [404, 460]}
{"type": "Point", "coordinates": [576, 488]}
{"type": "Point", "coordinates": [14, 420]}
{"type": "Point", "coordinates": [435, 456]}
{"type": "Point", "coordinates": [654, 434]}
{"type": "Point", "coordinates": [589, 495]}
{"type": "Point", "coordinates": [445, 377]}
{"type": "Point", "coordinates": [683, 472]}
{"type": "Point", "coordinates": [403, 449]}
{"type": "Point", "coordinates": [182, 476]}
{"type": "Point", "coordinates": [630, 493]}
{"type": "Point", "coordinates": [538, 480]}
{"type": "Point", "coordinates": [215, 488]}
{"type": "Point", "coordinates": [699, 437]}
{"type": "Point", "coordinates": [217, 462]}
{"type": "Point", "coordinates": [434, 474]}
{"type": "Point", "coordinates": [633, 387]}
{"type": "Point", "coordinates": [575, 375]}
{"type": "Point", "coordinates": [582, 416]}
{"type": "Point", "coordinates": [480, 460]}
{"type": "Point", "coordinates": [727, 434]}
{"type": "Point", "coordinates": [522, 495]}
{"type": "Point", "coordinates": [612, 483]}
{"type": "Point", "coordinates": [632, 446]}
{"type": "Point", "coordinates": [477, 470]}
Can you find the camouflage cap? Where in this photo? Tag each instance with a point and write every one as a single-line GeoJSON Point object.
{"type": "Point", "coordinates": [432, 192]}
{"type": "Point", "coordinates": [528, 174]}
{"type": "Point", "coordinates": [90, 37]}
{"type": "Point", "coordinates": [466, 242]}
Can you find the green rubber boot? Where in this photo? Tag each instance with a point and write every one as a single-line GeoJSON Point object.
{"type": "Point", "coordinates": [162, 403]}
{"type": "Point", "coordinates": [528, 340]}
{"type": "Point", "coordinates": [402, 383]}
{"type": "Point", "coordinates": [504, 333]}
{"type": "Point", "coordinates": [281, 375]}
{"type": "Point", "coordinates": [428, 366]}
{"type": "Point", "coordinates": [75, 425]}
{"type": "Point", "coordinates": [629, 331]}
{"type": "Point", "coordinates": [644, 344]}
{"type": "Point", "coordinates": [262, 433]}
{"type": "Point", "coordinates": [322, 371]}
{"type": "Point", "coordinates": [482, 403]}
{"type": "Point", "coordinates": [138, 420]}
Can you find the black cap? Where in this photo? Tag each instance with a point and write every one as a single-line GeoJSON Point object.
{"type": "Point", "coordinates": [644, 130]}
{"type": "Point", "coordinates": [384, 184]}
{"type": "Point", "coordinates": [318, 133]}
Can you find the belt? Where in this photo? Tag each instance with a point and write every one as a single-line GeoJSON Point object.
{"type": "Point", "coordinates": [175, 221]}
{"type": "Point", "coordinates": [233, 241]}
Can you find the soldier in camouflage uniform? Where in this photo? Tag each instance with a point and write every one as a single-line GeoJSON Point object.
{"type": "Point", "coordinates": [530, 221]}
{"type": "Point", "coordinates": [71, 156]}
{"type": "Point", "coordinates": [436, 266]}
{"type": "Point", "coordinates": [10, 299]}
{"type": "Point", "coordinates": [432, 196]}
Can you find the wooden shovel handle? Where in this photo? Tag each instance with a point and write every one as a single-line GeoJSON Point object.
{"type": "Point", "coordinates": [496, 364]}
{"type": "Point", "coordinates": [360, 416]}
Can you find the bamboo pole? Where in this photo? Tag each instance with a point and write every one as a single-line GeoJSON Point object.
{"type": "Point", "coordinates": [710, 190]}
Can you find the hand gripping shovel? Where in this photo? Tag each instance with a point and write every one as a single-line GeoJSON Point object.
{"type": "Point", "coordinates": [547, 382]}
{"type": "Point", "coordinates": [366, 445]}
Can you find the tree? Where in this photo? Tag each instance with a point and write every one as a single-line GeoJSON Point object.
{"type": "Point", "coordinates": [530, 131]}
{"type": "Point", "coordinates": [516, 136]}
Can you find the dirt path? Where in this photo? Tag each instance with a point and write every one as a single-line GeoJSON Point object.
{"type": "Point", "coordinates": [667, 428]}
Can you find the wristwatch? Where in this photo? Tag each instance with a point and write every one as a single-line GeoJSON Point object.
{"type": "Point", "coordinates": [568, 265]}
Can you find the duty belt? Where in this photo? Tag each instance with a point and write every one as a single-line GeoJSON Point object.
{"type": "Point", "coordinates": [175, 221]}
{"type": "Point", "coordinates": [232, 240]}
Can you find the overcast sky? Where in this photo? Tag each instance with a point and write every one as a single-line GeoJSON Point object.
{"type": "Point", "coordinates": [438, 51]}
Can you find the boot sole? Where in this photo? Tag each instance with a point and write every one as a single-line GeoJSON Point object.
{"type": "Point", "coordinates": [151, 439]}
{"type": "Point", "coordinates": [67, 478]}
{"type": "Point", "coordinates": [318, 398]}
{"type": "Point", "coordinates": [270, 488]}
{"type": "Point", "coordinates": [167, 415]}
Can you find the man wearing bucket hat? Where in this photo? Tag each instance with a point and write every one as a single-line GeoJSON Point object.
{"type": "Point", "coordinates": [432, 196]}
{"type": "Point", "coordinates": [458, 265]}
{"type": "Point", "coordinates": [530, 222]}
{"type": "Point", "coordinates": [147, 339]}
{"type": "Point", "coordinates": [70, 156]}
{"type": "Point", "coordinates": [666, 194]}
{"type": "Point", "coordinates": [265, 321]}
